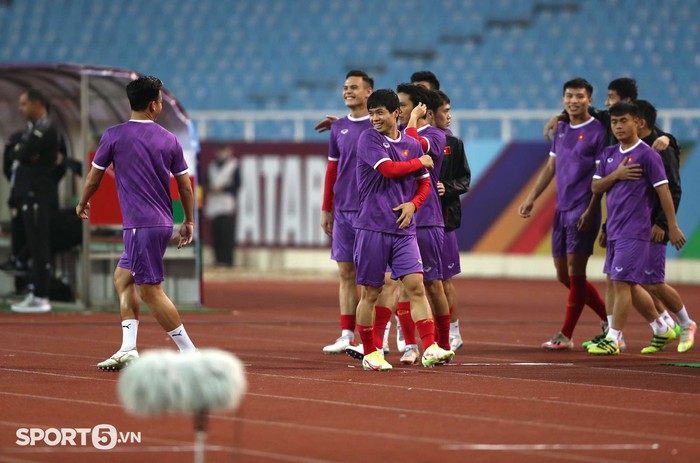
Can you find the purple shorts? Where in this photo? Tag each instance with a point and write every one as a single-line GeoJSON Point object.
{"type": "Point", "coordinates": [655, 267]}
{"type": "Point", "coordinates": [450, 256]}
{"type": "Point", "coordinates": [566, 239]}
{"type": "Point", "coordinates": [375, 250]}
{"type": "Point", "coordinates": [144, 249]}
{"type": "Point", "coordinates": [625, 260]}
{"type": "Point", "coordinates": [343, 236]}
{"type": "Point", "coordinates": [430, 244]}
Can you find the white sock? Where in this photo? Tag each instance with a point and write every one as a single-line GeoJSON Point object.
{"type": "Point", "coordinates": [130, 329]}
{"type": "Point", "coordinates": [668, 319]}
{"type": "Point", "coordinates": [347, 334]}
{"type": "Point", "coordinates": [179, 335]}
{"type": "Point", "coordinates": [659, 326]}
{"type": "Point", "coordinates": [610, 317]}
{"type": "Point", "coordinates": [614, 334]}
{"type": "Point", "coordinates": [454, 328]}
{"type": "Point", "coordinates": [683, 317]}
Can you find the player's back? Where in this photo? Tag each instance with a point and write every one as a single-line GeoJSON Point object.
{"type": "Point", "coordinates": [144, 155]}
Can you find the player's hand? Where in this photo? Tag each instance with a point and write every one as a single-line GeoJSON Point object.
{"type": "Point", "coordinates": [526, 208]}
{"type": "Point", "coordinates": [427, 162]}
{"type": "Point", "coordinates": [325, 124]}
{"type": "Point", "coordinates": [676, 236]}
{"type": "Point", "coordinates": [440, 189]}
{"type": "Point", "coordinates": [419, 111]}
{"type": "Point", "coordinates": [327, 223]}
{"type": "Point", "coordinates": [585, 222]}
{"type": "Point", "coordinates": [551, 128]}
{"type": "Point", "coordinates": [627, 171]}
{"type": "Point", "coordinates": [661, 143]}
{"type": "Point", "coordinates": [603, 239]}
{"type": "Point", "coordinates": [83, 210]}
{"type": "Point", "coordinates": [657, 234]}
{"type": "Point", "coordinates": [406, 214]}
{"type": "Point", "coordinates": [186, 235]}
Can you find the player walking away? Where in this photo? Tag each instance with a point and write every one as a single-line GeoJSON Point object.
{"type": "Point", "coordinates": [629, 173]}
{"type": "Point", "coordinates": [340, 199]}
{"type": "Point", "coordinates": [144, 155]}
{"type": "Point", "coordinates": [577, 215]}
{"type": "Point", "coordinates": [388, 166]}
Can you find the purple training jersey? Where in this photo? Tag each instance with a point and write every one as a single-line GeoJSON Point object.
{"type": "Point", "coordinates": [144, 155]}
{"type": "Point", "coordinates": [343, 148]}
{"type": "Point", "coordinates": [629, 202]}
{"type": "Point", "coordinates": [379, 194]}
{"type": "Point", "coordinates": [430, 213]}
{"type": "Point", "coordinates": [576, 148]}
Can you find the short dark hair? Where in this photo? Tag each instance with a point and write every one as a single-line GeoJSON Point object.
{"type": "Point", "coordinates": [383, 97]}
{"type": "Point", "coordinates": [426, 76]}
{"type": "Point", "coordinates": [365, 78]}
{"type": "Point", "coordinates": [578, 82]}
{"type": "Point", "coordinates": [443, 97]}
{"type": "Point", "coordinates": [622, 107]}
{"type": "Point", "coordinates": [647, 111]}
{"type": "Point", "coordinates": [35, 95]}
{"type": "Point", "coordinates": [142, 91]}
{"type": "Point", "coordinates": [625, 87]}
{"type": "Point", "coordinates": [417, 94]}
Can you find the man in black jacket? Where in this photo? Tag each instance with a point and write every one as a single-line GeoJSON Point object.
{"type": "Point", "coordinates": [34, 193]}
{"type": "Point", "coordinates": [455, 178]}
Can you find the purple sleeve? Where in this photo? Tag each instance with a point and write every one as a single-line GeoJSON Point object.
{"type": "Point", "coordinates": [600, 165]}
{"type": "Point", "coordinates": [654, 167]}
{"type": "Point", "coordinates": [333, 154]}
{"type": "Point", "coordinates": [178, 165]}
{"type": "Point", "coordinates": [104, 154]}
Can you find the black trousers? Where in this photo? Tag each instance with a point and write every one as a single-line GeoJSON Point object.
{"type": "Point", "coordinates": [36, 215]}
{"type": "Point", "coordinates": [223, 229]}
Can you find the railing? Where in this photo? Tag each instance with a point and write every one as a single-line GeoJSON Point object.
{"type": "Point", "coordinates": [303, 121]}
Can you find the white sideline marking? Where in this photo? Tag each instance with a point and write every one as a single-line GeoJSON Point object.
{"type": "Point", "coordinates": [511, 447]}
{"type": "Point", "coordinates": [517, 364]}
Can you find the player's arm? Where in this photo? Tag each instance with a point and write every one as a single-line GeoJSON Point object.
{"type": "Point", "coordinates": [325, 124]}
{"type": "Point", "coordinates": [412, 128]}
{"type": "Point", "coordinates": [546, 176]}
{"type": "Point", "coordinates": [587, 219]}
{"type": "Point", "coordinates": [394, 169]}
{"type": "Point", "coordinates": [675, 235]}
{"type": "Point", "coordinates": [407, 210]}
{"type": "Point", "coordinates": [184, 188]}
{"type": "Point", "coordinates": [670, 159]}
{"type": "Point", "coordinates": [92, 183]}
{"type": "Point", "coordinates": [327, 207]}
{"type": "Point", "coordinates": [461, 175]}
{"type": "Point", "coordinates": [624, 171]}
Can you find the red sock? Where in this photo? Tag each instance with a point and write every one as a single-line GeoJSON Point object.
{"type": "Point", "coordinates": [347, 322]}
{"type": "Point", "coordinates": [381, 317]}
{"type": "Point", "coordinates": [577, 298]}
{"type": "Point", "coordinates": [442, 322]}
{"type": "Point", "coordinates": [594, 301]}
{"type": "Point", "coordinates": [426, 330]}
{"type": "Point", "coordinates": [403, 311]}
{"type": "Point", "coordinates": [367, 338]}
{"type": "Point", "coordinates": [452, 310]}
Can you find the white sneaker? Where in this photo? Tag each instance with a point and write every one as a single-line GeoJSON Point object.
{"type": "Point", "coordinates": [338, 347]}
{"type": "Point", "coordinates": [119, 360]}
{"type": "Point", "coordinates": [410, 355]}
{"type": "Point", "coordinates": [456, 342]}
{"type": "Point", "coordinates": [385, 343]}
{"type": "Point", "coordinates": [400, 341]}
{"type": "Point", "coordinates": [355, 351]}
{"type": "Point", "coordinates": [32, 304]}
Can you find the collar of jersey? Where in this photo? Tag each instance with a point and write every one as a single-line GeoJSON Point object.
{"type": "Point", "coordinates": [631, 147]}
{"type": "Point", "coordinates": [358, 119]}
{"type": "Point", "coordinates": [141, 121]}
{"type": "Point", "coordinates": [582, 124]}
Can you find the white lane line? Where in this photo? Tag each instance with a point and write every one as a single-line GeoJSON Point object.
{"type": "Point", "coordinates": [511, 447]}
{"type": "Point", "coordinates": [509, 364]}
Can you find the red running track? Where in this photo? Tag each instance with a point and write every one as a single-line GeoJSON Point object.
{"type": "Point", "coordinates": [502, 400]}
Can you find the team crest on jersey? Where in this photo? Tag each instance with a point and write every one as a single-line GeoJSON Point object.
{"type": "Point", "coordinates": [404, 153]}
{"type": "Point", "coordinates": [344, 131]}
{"type": "Point", "coordinates": [629, 159]}
{"type": "Point", "coordinates": [385, 144]}
{"type": "Point", "coordinates": [447, 151]}
{"type": "Point", "coordinates": [581, 136]}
